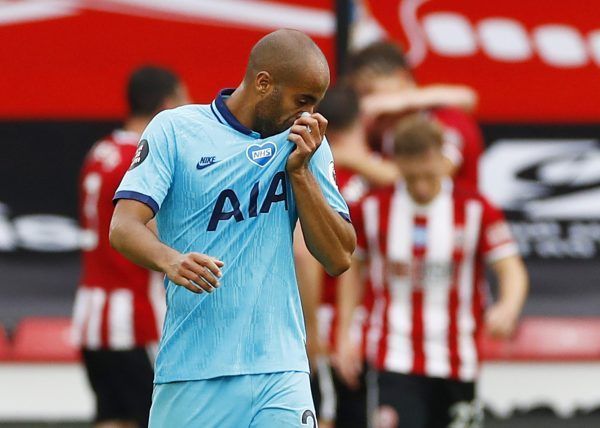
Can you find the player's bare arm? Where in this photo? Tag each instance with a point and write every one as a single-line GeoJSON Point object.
{"type": "Point", "coordinates": [329, 237]}
{"type": "Point", "coordinates": [309, 274]}
{"type": "Point", "coordinates": [405, 101]}
{"type": "Point", "coordinates": [130, 236]}
{"type": "Point", "coordinates": [501, 318]}
{"type": "Point", "coordinates": [376, 171]}
{"type": "Point", "coordinates": [347, 358]}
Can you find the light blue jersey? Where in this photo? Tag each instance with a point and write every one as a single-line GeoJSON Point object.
{"type": "Point", "coordinates": [218, 188]}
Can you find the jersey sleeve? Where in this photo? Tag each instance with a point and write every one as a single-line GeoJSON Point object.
{"type": "Point", "coordinates": [116, 174]}
{"type": "Point", "coordinates": [496, 238]}
{"type": "Point", "coordinates": [150, 174]}
{"type": "Point", "coordinates": [321, 165]}
{"type": "Point", "coordinates": [462, 137]}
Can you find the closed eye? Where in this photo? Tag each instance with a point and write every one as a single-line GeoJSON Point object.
{"type": "Point", "coordinates": [306, 100]}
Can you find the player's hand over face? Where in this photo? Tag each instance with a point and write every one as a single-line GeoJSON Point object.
{"type": "Point", "coordinates": [501, 321]}
{"type": "Point", "coordinates": [307, 134]}
{"type": "Point", "coordinates": [196, 272]}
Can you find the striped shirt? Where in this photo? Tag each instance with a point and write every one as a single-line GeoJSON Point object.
{"type": "Point", "coordinates": [425, 292]}
{"type": "Point", "coordinates": [118, 304]}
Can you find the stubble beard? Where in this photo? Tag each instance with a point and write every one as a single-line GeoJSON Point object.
{"type": "Point", "coordinates": [266, 112]}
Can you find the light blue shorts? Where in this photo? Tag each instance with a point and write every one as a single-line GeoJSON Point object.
{"type": "Point", "coordinates": [274, 400]}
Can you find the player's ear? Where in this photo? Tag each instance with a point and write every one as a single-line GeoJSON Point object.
{"type": "Point", "coordinates": [263, 82]}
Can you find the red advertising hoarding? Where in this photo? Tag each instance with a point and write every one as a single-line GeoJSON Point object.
{"type": "Point", "coordinates": [70, 58]}
{"type": "Point", "coordinates": [530, 61]}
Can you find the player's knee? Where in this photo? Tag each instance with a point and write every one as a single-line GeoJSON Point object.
{"type": "Point", "coordinates": [386, 417]}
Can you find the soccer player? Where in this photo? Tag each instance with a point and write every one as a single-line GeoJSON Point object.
{"type": "Point", "coordinates": [119, 306]}
{"type": "Point", "coordinates": [383, 78]}
{"type": "Point", "coordinates": [357, 169]}
{"type": "Point", "coordinates": [424, 244]}
{"type": "Point", "coordinates": [227, 182]}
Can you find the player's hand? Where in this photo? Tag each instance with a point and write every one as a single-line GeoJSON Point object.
{"type": "Point", "coordinates": [307, 134]}
{"type": "Point", "coordinates": [314, 348]}
{"type": "Point", "coordinates": [196, 272]}
{"type": "Point", "coordinates": [501, 321]}
{"type": "Point", "coordinates": [347, 362]}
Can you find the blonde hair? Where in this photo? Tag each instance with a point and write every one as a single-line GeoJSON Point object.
{"type": "Point", "coordinates": [416, 134]}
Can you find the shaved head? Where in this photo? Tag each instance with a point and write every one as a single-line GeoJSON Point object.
{"type": "Point", "coordinates": [287, 74]}
{"type": "Point", "coordinates": [288, 55]}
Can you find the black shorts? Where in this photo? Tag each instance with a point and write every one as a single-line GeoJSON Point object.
{"type": "Point", "coordinates": [351, 410]}
{"type": "Point", "coordinates": [122, 384]}
{"type": "Point", "coordinates": [410, 401]}
{"type": "Point", "coordinates": [335, 401]}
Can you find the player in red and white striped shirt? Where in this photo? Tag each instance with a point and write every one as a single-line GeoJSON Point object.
{"type": "Point", "coordinates": [424, 244]}
{"type": "Point", "coordinates": [382, 76]}
{"type": "Point", "coordinates": [356, 168]}
{"type": "Point", "coordinates": [119, 306]}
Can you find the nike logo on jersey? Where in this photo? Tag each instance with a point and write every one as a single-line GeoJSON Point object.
{"type": "Point", "coordinates": [206, 161]}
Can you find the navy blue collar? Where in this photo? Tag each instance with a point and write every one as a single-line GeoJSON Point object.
{"type": "Point", "coordinates": [226, 114]}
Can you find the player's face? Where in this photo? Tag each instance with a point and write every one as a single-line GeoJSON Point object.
{"type": "Point", "coordinates": [423, 175]}
{"type": "Point", "coordinates": [277, 111]}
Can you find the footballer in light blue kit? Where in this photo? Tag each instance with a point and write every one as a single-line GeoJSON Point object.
{"type": "Point", "coordinates": [227, 183]}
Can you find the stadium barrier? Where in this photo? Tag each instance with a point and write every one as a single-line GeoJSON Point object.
{"type": "Point", "coordinates": [551, 362]}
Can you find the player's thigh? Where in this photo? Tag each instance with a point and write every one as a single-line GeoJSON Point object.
{"type": "Point", "coordinates": [102, 369]}
{"type": "Point", "coordinates": [136, 383]}
{"type": "Point", "coordinates": [456, 405]}
{"type": "Point", "coordinates": [283, 400]}
{"type": "Point", "coordinates": [315, 389]}
{"type": "Point", "coordinates": [323, 390]}
{"type": "Point", "coordinates": [223, 402]}
{"type": "Point", "coordinates": [404, 401]}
